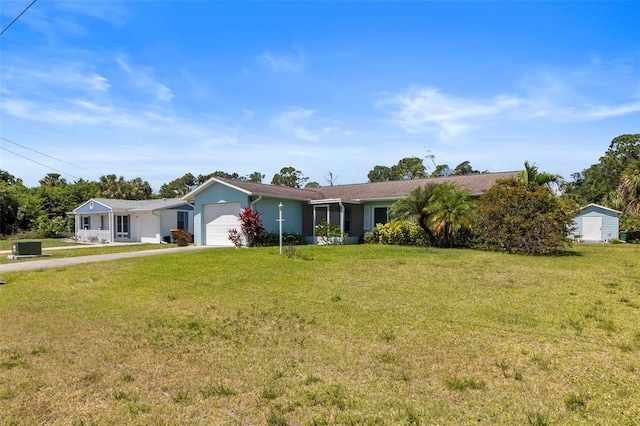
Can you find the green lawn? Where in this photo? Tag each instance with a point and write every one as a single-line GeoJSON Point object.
{"type": "Point", "coordinates": [7, 244]}
{"type": "Point", "coordinates": [87, 251]}
{"type": "Point", "coordinates": [329, 335]}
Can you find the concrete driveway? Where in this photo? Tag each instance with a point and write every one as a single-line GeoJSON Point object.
{"type": "Point", "coordinates": [45, 263]}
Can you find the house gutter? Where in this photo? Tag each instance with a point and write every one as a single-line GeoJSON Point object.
{"type": "Point", "coordinates": [254, 202]}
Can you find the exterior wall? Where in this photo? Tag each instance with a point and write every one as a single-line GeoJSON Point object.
{"type": "Point", "coordinates": [609, 222]}
{"type": "Point", "coordinates": [145, 228]}
{"type": "Point", "coordinates": [215, 194]}
{"type": "Point", "coordinates": [291, 213]}
{"type": "Point", "coordinates": [169, 220]}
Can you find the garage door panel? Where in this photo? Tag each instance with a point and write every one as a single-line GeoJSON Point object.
{"type": "Point", "coordinates": [219, 219]}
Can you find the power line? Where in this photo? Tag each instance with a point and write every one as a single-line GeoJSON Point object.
{"type": "Point", "coordinates": [49, 156]}
{"type": "Point", "coordinates": [17, 17]}
{"type": "Point", "coordinates": [34, 161]}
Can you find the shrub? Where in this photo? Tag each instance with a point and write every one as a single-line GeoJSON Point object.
{"type": "Point", "coordinates": [372, 237]}
{"type": "Point", "coordinates": [289, 239]}
{"type": "Point", "coordinates": [522, 219]}
{"type": "Point", "coordinates": [330, 234]}
{"type": "Point", "coordinates": [181, 237]}
{"type": "Point", "coordinates": [402, 233]}
{"type": "Point", "coordinates": [55, 227]}
{"type": "Point", "coordinates": [251, 226]}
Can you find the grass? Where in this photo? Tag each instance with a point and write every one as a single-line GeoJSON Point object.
{"type": "Point", "coordinates": [334, 335]}
{"type": "Point", "coordinates": [46, 243]}
{"type": "Point", "coordinates": [87, 251]}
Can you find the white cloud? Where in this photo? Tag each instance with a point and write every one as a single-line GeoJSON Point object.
{"type": "Point", "coordinates": [68, 76]}
{"type": "Point", "coordinates": [142, 78]}
{"type": "Point", "coordinates": [282, 62]}
{"type": "Point", "coordinates": [289, 123]}
{"type": "Point", "coordinates": [429, 110]}
{"type": "Point", "coordinates": [612, 111]}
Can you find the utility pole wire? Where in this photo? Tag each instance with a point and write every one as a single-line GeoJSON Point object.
{"type": "Point", "coordinates": [41, 164]}
{"type": "Point", "coordinates": [17, 17]}
{"type": "Point", "coordinates": [49, 156]}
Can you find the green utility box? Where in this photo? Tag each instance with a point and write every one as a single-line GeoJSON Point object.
{"type": "Point", "coordinates": [27, 248]}
{"type": "Point", "coordinates": [623, 236]}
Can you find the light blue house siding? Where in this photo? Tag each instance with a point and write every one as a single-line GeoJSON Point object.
{"type": "Point", "coordinates": [219, 194]}
{"type": "Point", "coordinates": [596, 223]}
{"type": "Point", "coordinates": [215, 194]}
{"type": "Point", "coordinates": [291, 215]}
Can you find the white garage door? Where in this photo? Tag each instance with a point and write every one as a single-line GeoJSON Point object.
{"type": "Point", "coordinates": [219, 219]}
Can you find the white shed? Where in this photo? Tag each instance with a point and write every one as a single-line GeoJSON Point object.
{"type": "Point", "coordinates": [595, 223]}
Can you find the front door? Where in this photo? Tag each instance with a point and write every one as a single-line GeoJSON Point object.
{"type": "Point", "coordinates": [122, 226]}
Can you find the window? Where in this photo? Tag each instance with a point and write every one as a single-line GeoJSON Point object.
{"type": "Point", "coordinates": [85, 222]}
{"type": "Point", "coordinates": [183, 220]}
{"type": "Point", "coordinates": [122, 226]}
{"type": "Point", "coordinates": [380, 215]}
{"type": "Point", "coordinates": [347, 219]}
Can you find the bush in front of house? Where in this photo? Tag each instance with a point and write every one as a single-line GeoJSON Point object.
{"type": "Point", "coordinates": [181, 237]}
{"type": "Point", "coordinates": [251, 226]}
{"type": "Point", "coordinates": [402, 233]}
{"type": "Point", "coordinates": [371, 237]}
{"type": "Point", "coordinates": [327, 233]}
{"type": "Point", "coordinates": [288, 239]}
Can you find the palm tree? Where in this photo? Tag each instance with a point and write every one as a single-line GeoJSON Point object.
{"type": "Point", "coordinates": [450, 211]}
{"type": "Point", "coordinates": [415, 206]}
{"type": "Point", "coordinates": [627, 195]}
{"type": "Point", "coordinates": [530, 177]}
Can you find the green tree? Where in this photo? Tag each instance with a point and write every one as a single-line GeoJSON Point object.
{"type": "Point", "coordinates": [441, 170]}
{"type": "Point", "coordinates": [8, 208]}
{"type": "Point", "coordinates": [379, 174]}
{"type": "Point", "coordinates": [531, 177]}
{"type": "Point", "coordinates": [290, 177]}
{"type": "Point", "coordinates": [178, 187]}
{"type": "Point", "coordinates": [8, 177]}
{"type": "Point", "coordinates": [406, 169]}
{"type": "Point", "coordinates": [595, 183]}
{"type": "Point", "coordinates": [312, 184]}
{"type": "Point", "coordinates": [416, 206]}
{"type": "Point", "coordinates": [465, 169]}
{"type": "Point", "coordinates": [53, 179]}
{"type": "Point", "coordinates": [517, 218]}
{"type": "Point", "coordinates": [409, 168]}
{"type": "Point", "coordinates": [627, 196]}
{"type": "Point", "coordinates": [450, 212]}
{"type": "Point", "coordinates": [256, 177]}
{"type": "Point", "coordinates": [111, 186]}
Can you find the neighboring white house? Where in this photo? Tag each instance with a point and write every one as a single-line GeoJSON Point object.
{"type": "Point", "coordinates": [147, 221]}
{"type": "Point", "coordinates": [596, 223]}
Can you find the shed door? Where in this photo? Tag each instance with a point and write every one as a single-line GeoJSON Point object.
{"type": "Point", "coordinates": [219, 219]}
{"type": "Point", "coordinates": [592, 228]}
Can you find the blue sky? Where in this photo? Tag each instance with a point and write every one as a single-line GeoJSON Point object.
{"type": "Point", "coordinates": [156, 89]}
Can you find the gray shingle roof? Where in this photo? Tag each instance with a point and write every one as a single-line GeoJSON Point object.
{"type": "Point", "coordinates": [140, 205]}
{"type": "Point", "coordinates": [370, 191]}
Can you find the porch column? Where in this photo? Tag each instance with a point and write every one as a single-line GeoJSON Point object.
{"type": "Point", "coordinates": [341, 217]}
{"type": "Point", "coordinates": [313, 225]}
{"type": "Point", "coordinates": [112, 227]}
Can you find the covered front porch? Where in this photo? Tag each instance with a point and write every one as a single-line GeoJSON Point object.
{"type": "Point", "coordinates": [347, 214]}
